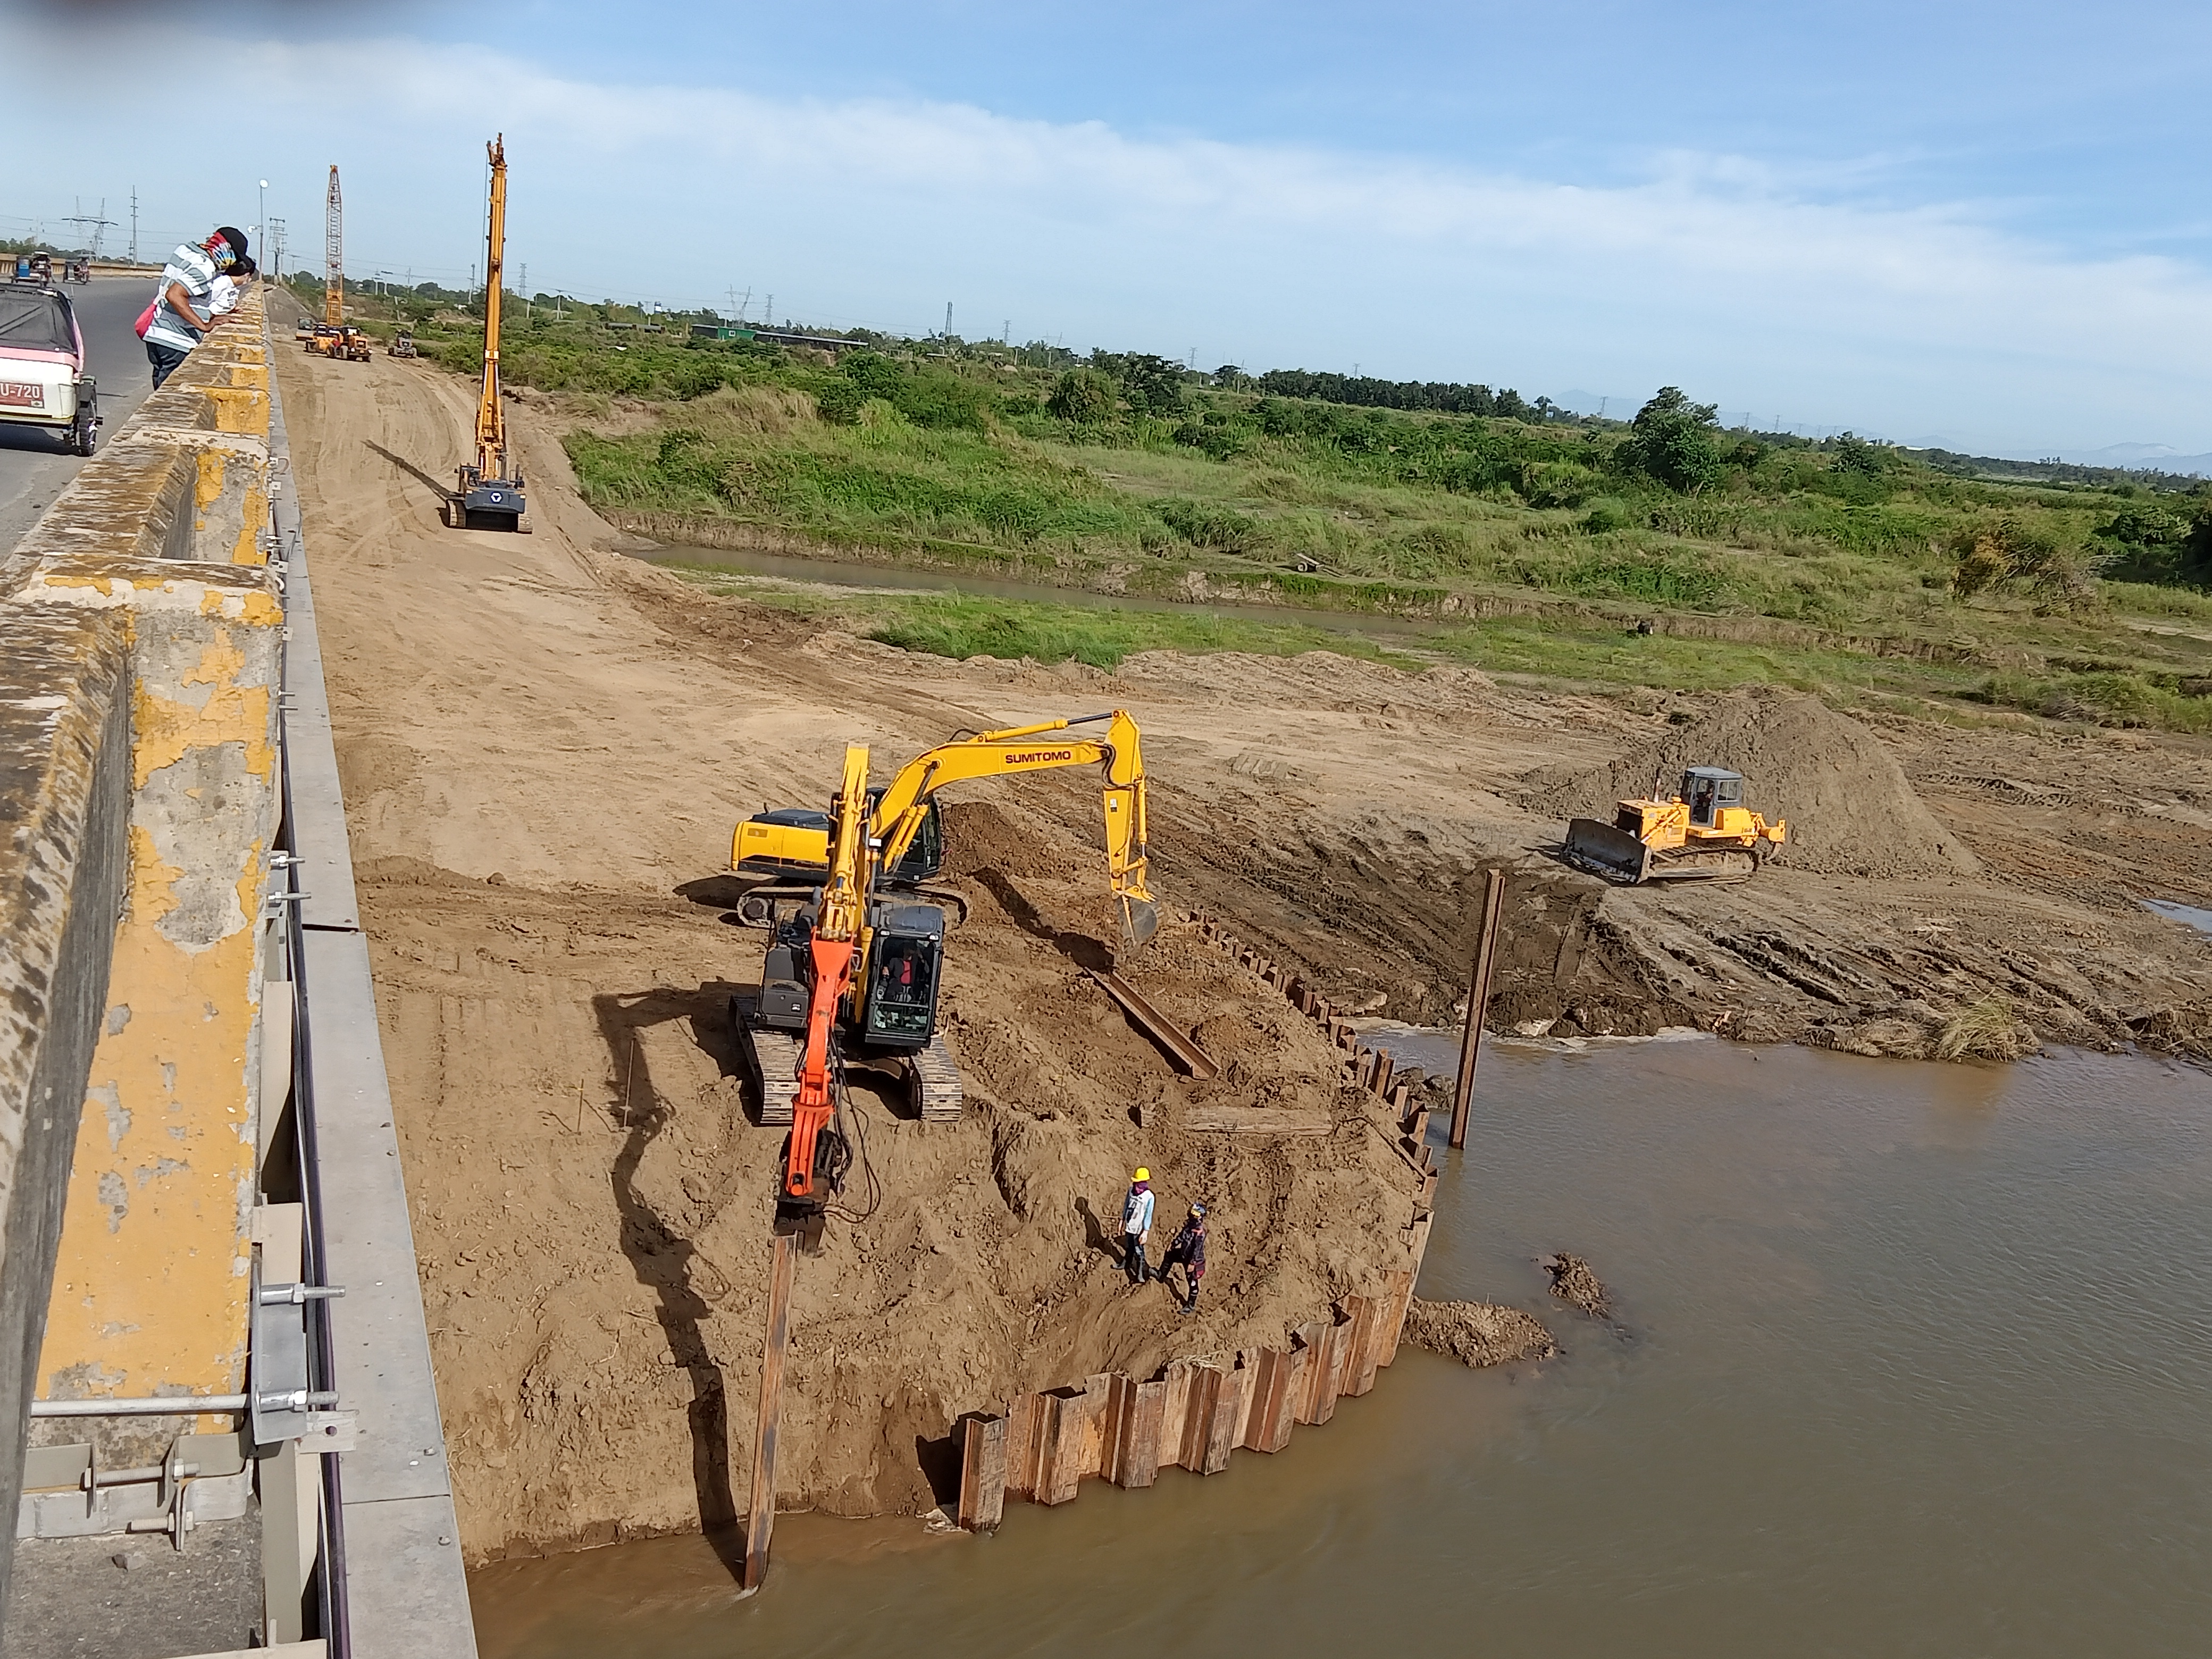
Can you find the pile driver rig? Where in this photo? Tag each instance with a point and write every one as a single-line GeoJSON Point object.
{"type": "Point", "coordinates": [489, 496]}
{"type": "Point", "coordinates": [334, 336]}
{"type": "Point", "coordinates": [854, 974]}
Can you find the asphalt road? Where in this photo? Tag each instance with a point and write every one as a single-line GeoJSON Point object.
{"type": "Point", "coordinates": [33, 465]}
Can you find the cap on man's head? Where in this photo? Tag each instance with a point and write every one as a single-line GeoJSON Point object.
{"type": "Point", "coordinates": [235, 237]}
{"type": "Point", "coordinates": [1142, 1174]}
{"type": "Point", "coordinates": [1198, 1212]}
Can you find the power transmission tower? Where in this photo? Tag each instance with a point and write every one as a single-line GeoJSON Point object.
{"type": "Point", "coordinates": [275, 248]}
{"type": "Point", "coordinates": [98, 221]}
{"type": "Point", "coordinates": [948, 320]}
{"type": "Point", "coordinates": [333, 254]}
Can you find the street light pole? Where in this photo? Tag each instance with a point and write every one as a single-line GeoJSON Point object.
{"type": "Point", "coordinates": [262, 229]}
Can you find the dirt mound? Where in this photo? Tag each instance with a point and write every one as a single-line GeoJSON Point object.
{"type": "Point", "coordinates": [1478, 1332]}
{"type": "Point", "coordinates": [1573, 1281]}
{"type": "Point", "coordinates": [1849, 809]}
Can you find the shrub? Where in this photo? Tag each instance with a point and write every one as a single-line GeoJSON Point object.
{"type": "Point", "coordinates": [2007, 551]}
{"type": "Point", "coordinates": [1671, 440]}
{"type": "Point", "coordinates": [1206, 526]}
{"type": "Point", "coordinates": [1083, 397]}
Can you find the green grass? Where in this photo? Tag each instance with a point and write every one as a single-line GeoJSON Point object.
{"type": "Point", "coordinates": [957, 466]}
{"type": "Point", "coordinates": [962, 626]}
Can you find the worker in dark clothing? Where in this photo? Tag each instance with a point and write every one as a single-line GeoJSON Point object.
{"type": "Point", "coordinates": [1188, 1246]}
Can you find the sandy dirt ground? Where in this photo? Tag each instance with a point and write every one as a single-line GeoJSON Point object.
{"type": "Point", "coordinates": [545, 743]}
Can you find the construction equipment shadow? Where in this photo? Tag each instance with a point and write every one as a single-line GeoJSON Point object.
{"type": "Point", "coordinates": [659, 1250]}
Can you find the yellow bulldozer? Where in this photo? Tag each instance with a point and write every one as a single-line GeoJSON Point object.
{"type": "Point", "coordinates": [1701, 831]}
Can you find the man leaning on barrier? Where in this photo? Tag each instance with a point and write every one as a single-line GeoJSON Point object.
{"type": "Point", "coordinates": [174, 322]}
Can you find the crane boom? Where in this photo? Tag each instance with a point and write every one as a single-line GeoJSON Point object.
{"type": "Point", "coordinates": [866, 837]}
{"type": "Point", "coordinates": [333, 254]}
{"type": "Point", "coordinates": [491, 423]}
{"type": "Point", "coordinates": [490, 496]}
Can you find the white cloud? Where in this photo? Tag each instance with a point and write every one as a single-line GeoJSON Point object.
{"type": "Point", "coordinates": [1769, 292]}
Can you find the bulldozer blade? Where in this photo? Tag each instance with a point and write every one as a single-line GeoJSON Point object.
{"type": "Point", "coordinates": [1607, 850]}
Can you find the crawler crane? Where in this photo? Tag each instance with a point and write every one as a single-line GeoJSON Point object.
{"type": "Point", "coordinates": [334, 336]}
{"type": "Point", "coordinates": [853, 975]}
{"type": "Point", "coordinates": [490, 496]}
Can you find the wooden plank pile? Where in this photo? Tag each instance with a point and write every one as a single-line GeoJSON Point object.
{"type": "Point", "coordinates": [1368, 1068]}
{"type": "Point", "coordinates": [1192, 1415]}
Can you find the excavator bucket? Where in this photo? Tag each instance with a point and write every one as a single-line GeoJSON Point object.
{"type": "Point", "coordinates": [1141, 918]}
{"type": "Point", "coordinates": [1604, 849]}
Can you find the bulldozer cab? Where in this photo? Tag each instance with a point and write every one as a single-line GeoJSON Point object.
{"type": "Point", "coordinates": [1708, 789]}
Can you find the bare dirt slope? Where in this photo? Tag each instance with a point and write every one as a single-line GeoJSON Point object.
{"type": "Point", "coordinates": [543, 746]}
{"type": "Point", "coordinates": [533, 766]}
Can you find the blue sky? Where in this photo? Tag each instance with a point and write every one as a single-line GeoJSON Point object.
{"type": "Point", "coordinates": [1975, 223]}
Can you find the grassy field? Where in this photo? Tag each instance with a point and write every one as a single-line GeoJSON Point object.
{"type": "Point", "coordinates": [1527, 546]}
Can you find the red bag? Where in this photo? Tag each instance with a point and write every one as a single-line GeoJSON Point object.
{"type": "Point", "coordinates": [146, 319]}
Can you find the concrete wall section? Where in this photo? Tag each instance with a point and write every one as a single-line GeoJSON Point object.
{"type": "Point", "coordinates": [64, 760]}
{"type": "Point", "coordinates": [160, 541]}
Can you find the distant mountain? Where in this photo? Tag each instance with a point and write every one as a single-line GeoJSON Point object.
{"type": "Point", "coordinates": [1612, 406]}
{"type": "Point", "coordinates": [2163, 457]}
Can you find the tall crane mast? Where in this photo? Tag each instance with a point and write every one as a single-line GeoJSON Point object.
{"type": "Point", "coordinates": [333, 254]}
{"type": "Point", "coordinates": [490, 494]}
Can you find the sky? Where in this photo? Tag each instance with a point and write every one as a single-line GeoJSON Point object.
{"type": "Point", "coordinates": [1981, 225]}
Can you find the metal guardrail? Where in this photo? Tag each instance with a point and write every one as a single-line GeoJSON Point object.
{"type": "Point", "coordinates": [331, 1602]}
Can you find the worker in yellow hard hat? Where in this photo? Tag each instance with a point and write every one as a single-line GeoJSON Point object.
{"type": "Point", "coordinates": [1137, 1226]}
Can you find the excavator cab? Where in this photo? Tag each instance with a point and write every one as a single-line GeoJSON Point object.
{"type": "Point", "coordinates": [798, 838]}
{"type": "Point", "coordinates": [906, 950]}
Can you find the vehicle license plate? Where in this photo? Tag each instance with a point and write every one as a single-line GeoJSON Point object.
{"type": "Point", "coordinates": [23, 394]}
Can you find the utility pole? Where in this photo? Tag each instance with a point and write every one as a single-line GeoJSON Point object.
{"type": "Point", "coordinates": [771, 311]}
{"type": "Point", "coordinates": [1007, 332]}
{"type": "Point", "coordinates": [948, 322]}
{"type": "Point", "coordinates": [525, 293]}
{"type": "Point", "coordinates": [277, 249]}
{"type": "Point", "coordinates": [134, 224]}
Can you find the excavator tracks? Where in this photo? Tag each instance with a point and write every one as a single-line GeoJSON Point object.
{"type": "Point", "coordinates": [771, 1058]}
{"type": "Point", "coordinates": [933, 1078]}
{"type": "Point", "coordinates": [772, 1063]}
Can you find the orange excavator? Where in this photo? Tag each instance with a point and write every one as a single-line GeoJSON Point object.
{"type": "Point", "coordinates": [854, 971]}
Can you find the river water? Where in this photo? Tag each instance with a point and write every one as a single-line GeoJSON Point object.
{"type": "Point", "coordinates": [1910, 1360]}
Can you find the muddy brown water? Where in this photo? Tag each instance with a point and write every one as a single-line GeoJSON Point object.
{"type": "Point", "coordinates": [1910, 1360]}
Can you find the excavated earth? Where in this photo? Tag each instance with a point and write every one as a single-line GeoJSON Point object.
{"type": "Point", "coordinates": [544, 745]}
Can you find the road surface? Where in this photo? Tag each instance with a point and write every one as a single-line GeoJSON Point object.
{"type": "Point", "coordinates": [34, 465]}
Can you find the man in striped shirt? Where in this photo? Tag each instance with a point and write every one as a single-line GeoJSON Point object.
{"type": "Point", "coordinates": [182, 315]}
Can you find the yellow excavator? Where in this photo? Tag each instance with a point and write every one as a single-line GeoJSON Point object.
{"type": "Point", "coordinates": [490, 496]}
{"type": "Point", "coordinates": [853, 975]}
{"type": "Point", "coordinates": [1702, 830]}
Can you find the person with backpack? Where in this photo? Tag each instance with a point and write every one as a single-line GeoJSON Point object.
{"type": "Point", "coordinates": [173, 323]}
{"type": "Point", "coordinates": [1136, 1225]}
{"type": "Point", "coordinates": [1188, 1246]}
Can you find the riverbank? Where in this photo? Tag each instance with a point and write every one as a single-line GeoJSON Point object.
{"type": "Point", "coordinates": [1788, 1408]}
{"type": "Point", "coordinates": [544, 745]}
{"type": "Point", "coordinates": [541, 762]}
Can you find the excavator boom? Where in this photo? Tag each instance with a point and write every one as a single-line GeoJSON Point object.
{"type": "Point", "coordinates": [490, 496]}
{"type": "Point", "coordinates": [849, 940]}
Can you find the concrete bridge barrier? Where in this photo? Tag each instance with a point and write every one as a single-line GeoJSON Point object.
{"type": "Point", "coordinates": [141, 630]}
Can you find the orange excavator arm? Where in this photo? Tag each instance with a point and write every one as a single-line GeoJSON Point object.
{"type": "Point", "coordinates": [836, 938]}
{"type": "Point", "coordinates": [859, 842]}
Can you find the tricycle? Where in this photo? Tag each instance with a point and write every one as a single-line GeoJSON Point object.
{"type": "Point", "coordinates": [44, 380]}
